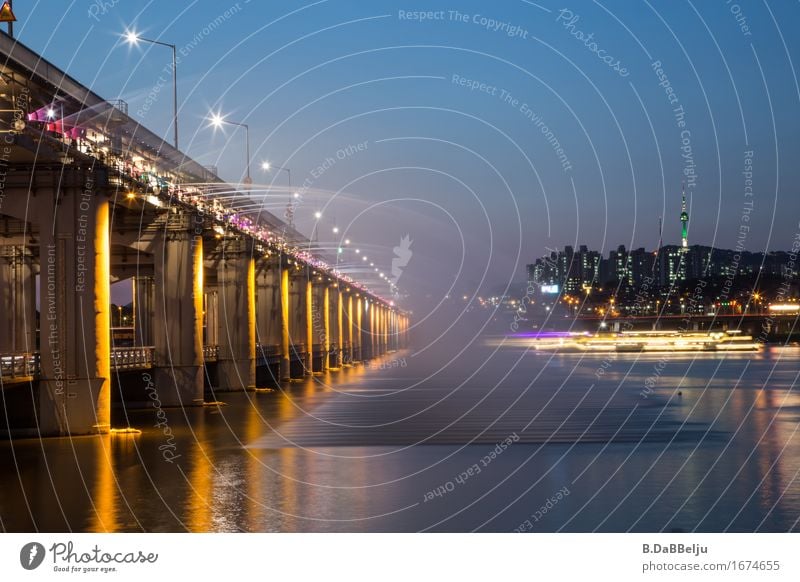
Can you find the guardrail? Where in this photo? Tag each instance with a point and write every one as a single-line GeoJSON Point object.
{"type": "Point", "coordinates": [210, 353]}
{"type": "Point", "coordinates": [19, 366]}
{"type": "Point", "coordinates": [132, 358]}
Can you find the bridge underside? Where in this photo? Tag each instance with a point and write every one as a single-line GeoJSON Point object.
{"type": "Point", "coordinates": [89, 198]}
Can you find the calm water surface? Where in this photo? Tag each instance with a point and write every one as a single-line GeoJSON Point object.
{"type": "Point", "coordinates": [364, 449]}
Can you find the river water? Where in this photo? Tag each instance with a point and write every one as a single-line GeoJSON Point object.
{"type": "Point", "coordinates": [489, 437]}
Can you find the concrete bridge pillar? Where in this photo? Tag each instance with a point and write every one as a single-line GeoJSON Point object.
{"type": "Point", "coordinates": [390, 335]}
{"type": "Point", "coordinates": [326, 326]}
{"type": "Point", "coordinates": [298, 318]}
{"type": "Point", "coordinates": [285, 337]}
{"type": "Point", "coordinates": [143, 309]}
{"type": "Point", "coordinates": [358, 348]}
{"type": "Point", "coordinates": [75, 343]}
{"type": "Point", "coordinates": [236, 282]}
{"type": "Point", "coordinates": [17, 300]}
{"type": "Point", "coordinates": [178, 321]}
{"type": "Point", "coordinates": [379, 329]}
{"type": "Point", "coordinates": [339, 326]}
{"type": "Point", "coordinates": [350, 324]}
{"type": "Point", "coordinates": [370, 325]}
{"type": "Point", "coordinates": [268, 305]}
{"type": "Point", "coordinates": [385, 329]}
{"type": "Point", "coordinates": [309, 311]}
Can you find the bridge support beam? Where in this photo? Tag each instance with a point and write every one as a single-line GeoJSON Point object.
{"type": "Point", "coordinates": [359, 345]}
{"type": "Point", "coordinates": [236, 282]}
{"type": "Point", "coordinates": [75, 344]}
{"type": "Point", "coordinates": [286, 362]}
{"type": "Point", "coordinates": [326, 327]}
{"type": "Point", "coordinates": [178, 321]}
{"type": "Point", "coordinates": [17, 300]}
{"type": "Point", "coordinates": [268, 307]}
{"type": "Point", "coordinates": [298, 321]}
{"type": "Point", "coordinates": [349, 355]}
{"type": "Point", "coordinates": [309, 309]}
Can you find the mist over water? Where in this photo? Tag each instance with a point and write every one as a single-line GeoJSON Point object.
{"type": "Point", "coordinates": [467, 434]}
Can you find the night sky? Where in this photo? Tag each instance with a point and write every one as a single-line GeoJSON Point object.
{"type": "Point", "coordinates": [488, 135]}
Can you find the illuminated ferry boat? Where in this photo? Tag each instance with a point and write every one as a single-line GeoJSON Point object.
{"type": "Point", "coordinates": [645, 341]}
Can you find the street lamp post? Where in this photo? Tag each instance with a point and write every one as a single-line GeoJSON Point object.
{"type": "Point", "coordinates": [218, 121]}
{"type": "Point", "coordinates": [133, 39]}
{"type": "Point", "coordinates": [267, 166]}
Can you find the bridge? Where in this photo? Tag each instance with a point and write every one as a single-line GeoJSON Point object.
{"type": "Point", "coordinates": [223, 299]}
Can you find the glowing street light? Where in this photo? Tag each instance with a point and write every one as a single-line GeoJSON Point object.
{"type": "Point", "coordinates": [217, 121]}
{"type": "Point", "coordinates": [317, 215]}
{"type": "Point", "coordinates": [133, 39]}
{"type": "Point", "coordinates": [268, 166]}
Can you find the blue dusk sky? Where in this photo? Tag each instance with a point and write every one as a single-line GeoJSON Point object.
{"type": "Point", "coordinates": [487, 132]}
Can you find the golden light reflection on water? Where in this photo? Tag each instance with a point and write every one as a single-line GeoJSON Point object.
{"type": "Point", "coordinates": [747, 461]}
{"type": "Point", "coordinates": [254, 469]}
{"type": "Point", "coordinates": [105, 494]}
{"type": "Point", "coordinates": [201, 484]}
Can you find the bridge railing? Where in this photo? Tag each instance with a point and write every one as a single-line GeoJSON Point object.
{"type": "Point", "coordinates": [16, 366]}
{"type": "Point", "coordinates": [211, 353]}
{"type": "Point", "coordinates": [132, 358]}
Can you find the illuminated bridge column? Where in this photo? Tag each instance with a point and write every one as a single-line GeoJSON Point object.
{"type": "Point", "coordinates": [17, 300]}
{"type": "Point", "coordinates": [378, 329]}
{"type": "Point", "coordinates": [371, 319]}
{"type": "Point", "coordinates": [339, 326]}
{"type": "Point", "coordinates": [392, 333]}
{"type": "Point", "coordinates": [298, 320]}
{"type": "Point", "coordinates": [309, 309]}
{"type": "Point", "coordinates": [384, 335]}
{"type": "Point", "coordinates": [350, 325]}
{"type": "Point", "coordinates": [236, 287]}
{"type": "Point", "coordinates": [75, 338]}
{"type": "Point", "coordinates": [286, 367]}
{"type": "Point", "coordinates": [326, 326]}
{"type": "Point", "coordinates": [178, 321]}
{"type": "Point", "coordinates": [359, 347]}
